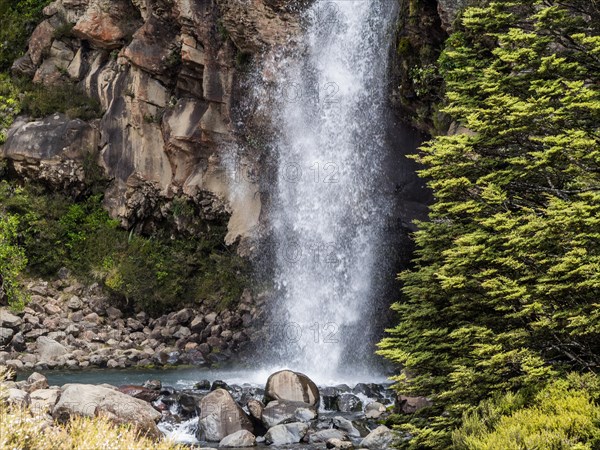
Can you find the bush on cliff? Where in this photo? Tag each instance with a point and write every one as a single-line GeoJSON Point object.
{"type": "Point", "coordinates": [18, 19]}
{"type": "Point", "coordinates": [504, 291]}
{"type": "Point", "coordinates": [157, 273]}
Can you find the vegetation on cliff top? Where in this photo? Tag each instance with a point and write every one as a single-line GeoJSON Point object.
{"type": "Point", "coordinates": [504, 293]}
{"type": "Point", "coordinates": [156, 273]}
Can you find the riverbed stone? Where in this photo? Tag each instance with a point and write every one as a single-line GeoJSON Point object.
{"type": "Point", "coordinates": [292, 386]}
{"type": "Point", "coordinates": [9, 320]}
{"type": "Point", "coordinates": [410, 405]}
{"type": "Point", "coordinates": [17, 397]}
{"type": "Point", "coordinates": [325, 435]}
{"type": "Point", "coordinates": [285, 434]}
{"type": "Point", "coordinates": [239, 439]}
{"type": "Point", "coordinates": [36, 381]}
{"type": "Point", "coordinates": [348, 403]}
{"type": "Point", "coordinates": [48, 349]}
{"type": "Point", "coordinates": [221, 416]}
{"type": "Point", "coordinates": [345, 425]}
{"type": "Point", "coordinates": [87, 400]}
{"type": "Point", "coordinates": [278, 412]}
{"type": "Point", "coordinates": [380, 438]}
{"type": "Point", "coordinates": [43, 401]}
{"type": "Point", "coordinates": [374, 410]}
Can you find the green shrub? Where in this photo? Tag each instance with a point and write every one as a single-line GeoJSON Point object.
{"type": "Point", "coordinates": [18, 19]}
{"type": "Point", "coordinates": [41, 101]}
{"type": "Point", "coordinates": [563, 416]}
{"type": "Point", "coordinates": [10, 105]}
{"type": "Point", "coordinates": [12, 262]}
{"type": "Point", "coordinates": [157, 273]}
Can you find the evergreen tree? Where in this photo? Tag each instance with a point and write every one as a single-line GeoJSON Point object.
{"type": "Point", "coordinates": [505, 291]}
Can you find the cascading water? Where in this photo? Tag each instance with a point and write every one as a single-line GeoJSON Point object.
{"type": "Point", "coordinates": [328, 209]}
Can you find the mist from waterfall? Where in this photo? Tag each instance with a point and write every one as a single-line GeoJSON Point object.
{"type": "Point", "coordinates": [328, 213]}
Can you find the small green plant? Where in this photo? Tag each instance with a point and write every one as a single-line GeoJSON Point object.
{"type": "Point", "coordinates": [39, 101]}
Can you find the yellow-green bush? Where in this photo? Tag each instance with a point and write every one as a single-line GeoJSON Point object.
{"type": "Point", "coordinates": [20, 429]}
{"type": "Point", "coordinates": [24, 429]}
{"type": "Point", "coordinates": [564, 415]}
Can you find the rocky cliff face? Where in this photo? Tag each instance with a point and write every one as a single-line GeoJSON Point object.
{"type": "Point", "coordinates": [165, 73]}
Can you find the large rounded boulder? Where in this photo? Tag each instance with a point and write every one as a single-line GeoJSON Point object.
{"type": "Point", "coordinates": [221, 416]}
{"type": "Point", "coordinates": [291, 386]}
{"type": "Point", "coordinates": [86, 400]}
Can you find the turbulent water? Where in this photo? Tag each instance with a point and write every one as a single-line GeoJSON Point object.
{"type": "Point", "coordinates": [327, 213]}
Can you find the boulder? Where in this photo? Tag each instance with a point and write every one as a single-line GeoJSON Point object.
{"type": "Point", "coordinates": [221, 416]}
{"type": "Point", "coordinates": [6, 335]}
{"type": "Point", "coordinates": [48, 349]}
{"type": "Point", "coordinates": [379, 439]}
{"type": "Point", "coordinates": [345, 425]}
{"type": "Point", "coordinates": [36, 381]}
{"type": "Point", "coordinates": [339, 444]}
{"type": "Point", "coordinates": [9, 320]}
{"type": "Point", "coordinates": [43, 401]}
{"type": "Point", "coordinates": [255, 408]}
{"type": "Point", "coordinates": [141, 392]}
{"type": "Point", "coordinates": [292, 386]}
{"type": "Point", "coordinates": [289, 433]}
{"type": "Point", "coordinates": [349, 403]}
{"type": "Point", "coordinates": [239, 439]}
{"type": "Point", "coordinates": [279, 412]}
{"type": "Point", "coordinates": [326, 435]}
{"type": "Point", "coordinates": [374, 410]}
{"type": "Point", "coordinates": [17, 397]}
{"type": "Point", "coordinates": [89, 401]}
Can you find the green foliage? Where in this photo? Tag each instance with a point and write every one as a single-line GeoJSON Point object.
{"type": "Point", "coordinates": [12, 262]}
{"type": "Point", "coordinates": [10, 106]}
{"type": "Point", "coordinates": [18, 19]}
{"type": "Point", "coordinates": [156, 273]}
{"type": "Point", "coordinates": [504, 292]}
{"type": "Point", "coordinates": [565, 415]}
{"type": "Point", "coordinates": [40, 101]}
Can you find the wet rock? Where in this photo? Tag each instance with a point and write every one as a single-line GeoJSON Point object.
{"type": "Point", "coordinates": [239, 439]}
{"type": "Point", "coordinates": [155, 385]}
{"type": "Point", "coordinates": [189, 403]}
{"type": "Point", "coordinates": [325, 435]}
{"type": "Point", "coordinates": [374, 410]}
{"type": "Point", "coordinates": [289, 433]}
{"type": "Point", "coordinates": [345, 425]}
{"type": "Point", "coordinates": [220, 384]}
{"type": "Point", "coordinates": [141, 392]}
{"type": "Point", "coordinates": [371, 390]}
{"type": "Point", "coordinates": [203, 385]}
{"type": "Point", "coordinates": [379, 439]}
{"type": "Point", "coordinates": [221, 416]}
{"type": "Point", "coordinates": [255, 408]}
{"type": "Point", "coordinates": [89, 401]}
{"type": "Point", "coordinates": [292, 386]}
{"type": "Point", "coordinates": [349, 403]}
{"type": "Point", "coordinates": [329, 397]}
{"type": "Point", "coordinates": [279, 412]}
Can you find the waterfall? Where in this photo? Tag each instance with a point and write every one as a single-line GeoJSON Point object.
{"type": "Point", "coordinates": [327, 209]}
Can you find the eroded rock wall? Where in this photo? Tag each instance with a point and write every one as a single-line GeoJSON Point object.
{"type": "Point", "coordinates": [164, 72]}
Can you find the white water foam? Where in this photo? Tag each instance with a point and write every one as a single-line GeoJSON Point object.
{"type": "Point", "coordinates": [327, 213]}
